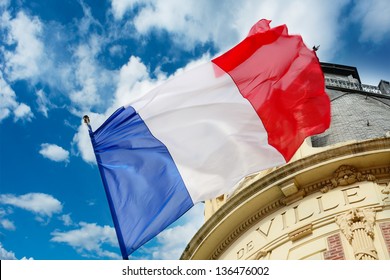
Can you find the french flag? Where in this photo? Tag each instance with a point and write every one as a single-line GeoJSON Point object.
{"type": "Point", "coordinates": [196, 136]}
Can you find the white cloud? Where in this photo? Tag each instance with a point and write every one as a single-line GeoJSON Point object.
{"type": "Point", "coordinates": [87, 78]}
{"type": "Point", "coordinates": [9, 255]}
{"type": "Point", "coordinates": [317, 21]}
{"type": "Point", "coordinates": [117, 50]}
{"type": "Point", "coordinates": [66, 219]}
{"type": "Point", "coordinates": [89, 240]}
{"type": "Point", "coordinates": [7, 98]}
{"type": "Point", "coordinates": [374, 17]}
{"type": "Point", "coordinates": [23, 112]}
{"type": "Point", "coordinates": [92, 83]}
{"type": "Point", "coordinates": [9, 105]}
{"type": "Point", "coordinates": [91, 80]}
{"type": "Point", "coordinates": [41, 204]}
{"type": "Point", "coordinates": [191, 21]}
{"type": "Point", "coordinates": [43, 53]}
{"type": "Point", "coordinates": [54, 152]}
{"type": "Point", "coordinates": [25, 61]}
{"type": "Point", "coordinates": [4, 3]}
{"type": "Point", "coordinates": [82, 141]}
{"type": "Point", "coordinates": [134, 81]}
{"type": "Point", "coordinates": [7, 224]}
{"type": "Point", "coordinates": [196, 21]}
{"type": "Point", "coordinates": [120, 7]}
{"type": "Point", "coordinates": [43, 102]}
{"type": "Point", "coordinates": [87, 21]}
{"type": "Point", "coordinates": [6, 255]}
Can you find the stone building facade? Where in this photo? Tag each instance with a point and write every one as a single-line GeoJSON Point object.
{"type": "Point", "coordinates": [331, 201]}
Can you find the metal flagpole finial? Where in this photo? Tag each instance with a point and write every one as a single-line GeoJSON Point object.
{"type": "Point", "coordinates": [87, 122]}
{"type": "Point", "coordinates": [86, 119]}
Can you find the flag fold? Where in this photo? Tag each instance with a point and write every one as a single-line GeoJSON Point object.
{"type": "Point", "coordinates": [197, 135]}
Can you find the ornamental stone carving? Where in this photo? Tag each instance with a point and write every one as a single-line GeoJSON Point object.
{"type": "Point", "coordinates": [346, 175]}
{"type": "Point", "coordinates": [357, 225]}
{"type": "Point", "coordinates": [217, 202]}
{"type": "Point", "coordinates": [386, 192]}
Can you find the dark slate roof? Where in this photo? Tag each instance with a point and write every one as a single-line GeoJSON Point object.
{"type": "Point", "coordinates": [355, 116]}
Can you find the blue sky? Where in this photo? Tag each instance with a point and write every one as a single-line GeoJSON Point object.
{"type": "Point", "coordinates": [60, 60]}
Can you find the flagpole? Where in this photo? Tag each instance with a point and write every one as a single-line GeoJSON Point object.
{"type": "Point", "coordinates": [119, 236]}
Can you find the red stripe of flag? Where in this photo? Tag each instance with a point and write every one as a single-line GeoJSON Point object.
{"type": "Point", "coordinates": [283, 81]}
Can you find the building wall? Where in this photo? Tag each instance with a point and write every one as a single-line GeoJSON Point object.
{"type": "Point", "coordinates": [314, 227]}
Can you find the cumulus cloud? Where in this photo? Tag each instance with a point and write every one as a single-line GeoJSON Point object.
{"type": "Point", "coordinates": [4, 222]}
{"type": "Point", "coordinates": [66, 219]}
{"type": "Point", "coordinates": [41, 204]}
{"type": "Point", "coordinates": [120, 7]}
{"type": "Point", "coordinates": [317, 21]}
{"type": "Point", "coordinates": [43, 53]}
{"type": "Point", "coordinates": [9, 104]}
{"type": "Point", "coordinates": [54, 152]}
{"type": "Point", "coordinates": [8, 101]}
{"type": "Point", "coordinates": [373, 16]}
{"type": "Point", "coordinates": [92, 82]}
{"type": "Point", "coordinates": [23, 112]}
{"type": "Point", "coordinates": [134, 81]}
{"type": "Point", "coordinates": [7, 224]}
{"type": "Point", "coordinates": [6, 255]}
{"type": "Point", "coordinates": [25, 61]}
{"type": "Point", "coordinates": [196, 21]}
{"type": "Point", "coordinates": [9, 255]}
{"type": "Point", "coordinates": [89, 78]}
{"type": "Point", "coordinates": [191, 22]}
{"type": "Point", "coordinates": [89, 239]}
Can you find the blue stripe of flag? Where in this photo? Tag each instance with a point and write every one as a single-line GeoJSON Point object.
{"type": "Point", "coordinates": [144, 188]}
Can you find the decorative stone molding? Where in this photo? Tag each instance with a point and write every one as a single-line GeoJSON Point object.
{"type": "Point", "coordinates": [385, 191]}
{"type": "Point", "coordinates": [301, 232]}
{"type": "Point", "coordinates": [296, 194]}
{"type": "Point", "coordinates": [293, 198]}
{"type": "Point", "coordinates": [346, 175]}
{"type": "Point", "coordinates": [357, 225]}
{"type": "Point", "coordinates": [367, 175]}
{"type": "Point", "coordinates": [261, 254]}
{"type": "Point", "coordinates": [243, 227]}
{"type": "Point", "coordinates": [217, 202]}
{"type": "Point", "coordinates": [289, 188]}
{"type": "Point", "coordinates": [292, 193]}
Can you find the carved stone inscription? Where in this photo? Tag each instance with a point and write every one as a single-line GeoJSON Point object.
{"type": "Point", "coordinates": [300, 214]}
